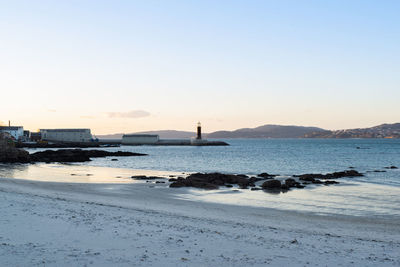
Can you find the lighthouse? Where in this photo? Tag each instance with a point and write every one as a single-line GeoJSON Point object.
{"type": "Point", "coordinates": [198, 131]}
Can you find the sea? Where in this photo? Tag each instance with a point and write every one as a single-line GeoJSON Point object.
{"type": "Point", "coordinates": [376, 194]}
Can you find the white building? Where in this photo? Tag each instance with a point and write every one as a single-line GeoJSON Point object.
{"type": "Point", "coordinates": [15, 131]}
{"type": "Point", "coordinates": [66, 135]}
{"type": "Point", "coordinates": [139, 139]}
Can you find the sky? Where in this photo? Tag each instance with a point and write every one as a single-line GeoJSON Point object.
{"type": "Point", "coordinates": [127, 66]}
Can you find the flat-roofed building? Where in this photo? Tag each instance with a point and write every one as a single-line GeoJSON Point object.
{"type": "Point", "coordinates": [17, 132]}
{"type": "Point", "coordinates": [66, 135]}
{"type": "Point", "coordinates": [139, 139]}
{"type": "Point", "coordinates": [36, 136]}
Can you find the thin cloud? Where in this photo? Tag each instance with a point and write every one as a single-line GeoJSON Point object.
{"type": "Point", "coordinates": [87, 117]}
{"type": "Point", "coordinates": [134, 114]}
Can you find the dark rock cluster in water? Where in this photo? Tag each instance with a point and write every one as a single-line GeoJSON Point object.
{"type": "Point", "coordinates": [334, 175]}
{"type": "Point", "coordinates": [215, 180]}
{"type": "Point", "coordinates": [391, 167]}
{"type": "Point", "coordinates": [10, 154]}
{"type": "Point", "coordinates": [76, 155]}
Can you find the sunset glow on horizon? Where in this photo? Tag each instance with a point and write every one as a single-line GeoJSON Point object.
{"type": "Point", "coordinates": [129, 66]}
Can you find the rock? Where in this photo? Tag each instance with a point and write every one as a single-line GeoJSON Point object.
{"type": "Point", "coordinates": [271, 184]}
{"type": "Point", "coordinates": [391, 167]}
{"type": "Point", "coordinates": [177, 184]}
{"type": "Point", "coordinates": [284, 187]}
{"type": "Point", "coordinates": [252, 180]}
{"type": "Point", "coordinates": [144, 177]}
{"type": "Point", "coordinates": [139, 177]}
{"type": "Point", "coordinates": [335, 175]}
{"type": "Point", "coordinates": [307, 178]}
{"type": "Point", "coordinates": [255, 188]}
{"type": "Point", "coordinates": [290, 182]}
{"type": "Point", "coordinates": [228, 185]}
{"type": "Point", "coordinates": [173, 180]}
{"type": "Point", "coordinates": [316, 181]}
{"type": "Point", "coordinates": [212, 180]}
{"type": "Point", "coordinates": [160, 182]}
{"type": "Point", "coordinates": [75, 155]}
{"type": "Point", "coordinates": [330, 182]}
{"type": "Point", "coordinates": [10, 154]}
{"type": "Point", "coordinates": [266, 175]}
{"type": "Point", "coordinates": [114, 159]}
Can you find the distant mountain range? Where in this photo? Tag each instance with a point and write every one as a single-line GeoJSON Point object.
{"type": "Point", "coordinates": [281, 131]}
{"type": "Point", "coordinates": [266, 131]}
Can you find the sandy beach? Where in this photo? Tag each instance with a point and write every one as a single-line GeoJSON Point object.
{"type": "Point", "coordinates": [82, 224]}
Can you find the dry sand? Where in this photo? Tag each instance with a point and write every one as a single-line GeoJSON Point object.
{"type": "Point", "coordinates": [72, 224]}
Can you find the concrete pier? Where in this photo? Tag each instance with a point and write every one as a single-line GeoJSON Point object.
{"type": "Point", "coordinates": [166, 142]}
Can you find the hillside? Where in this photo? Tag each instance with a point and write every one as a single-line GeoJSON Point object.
{"type": "Point", "coordinates": [380, 131]}
{"type": "Point", "coordinates": [267, 131]}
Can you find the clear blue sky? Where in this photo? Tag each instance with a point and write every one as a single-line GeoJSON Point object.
{"type": "Point", "coordinates": [125, 66]}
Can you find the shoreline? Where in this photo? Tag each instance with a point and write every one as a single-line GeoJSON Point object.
{"type": "Point", "coordinates": [350, 197]}
{"type": "Point", "coordinates": [160, 229]}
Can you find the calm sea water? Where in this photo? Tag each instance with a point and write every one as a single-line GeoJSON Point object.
{"type": "Point", "coordinates": [376, 194]}
{"type": "Point", "coordinates": [276, 156]}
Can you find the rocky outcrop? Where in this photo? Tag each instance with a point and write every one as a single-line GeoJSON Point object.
{"type": "Point", "coordinates": [213, 180]}
{"type": "Point", "coordinates": [76, 155]}
{"type": "Point", "coordinates": [266, 175]}
{"type": "Point", "coordinates": [310, 177]}
{"type": "Point", "coordinates": [57, 145]}
{"type": "Point", "coordinates": [10, 154]}
{"type": "Point", "coordinates": [271, 184]}
{"type": "Point", "coordinates": [144, 177]}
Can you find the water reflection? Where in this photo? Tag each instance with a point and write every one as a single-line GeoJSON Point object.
{"type": "Point", "coordinates": [74, 173]}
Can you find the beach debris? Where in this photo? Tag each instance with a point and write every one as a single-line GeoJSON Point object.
{"type": "Point", "coordinates": [294, 241]}
{"type": "Point", "coordinates": [114, 159]}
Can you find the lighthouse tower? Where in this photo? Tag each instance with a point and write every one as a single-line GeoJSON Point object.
{"type": "Point", "coordinates": [198, 140]}
{"type": "Point", "coordinates": [198, 131]}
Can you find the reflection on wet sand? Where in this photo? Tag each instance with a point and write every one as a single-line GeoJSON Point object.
{"type": "Point", "coordinates": [74, 173]}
